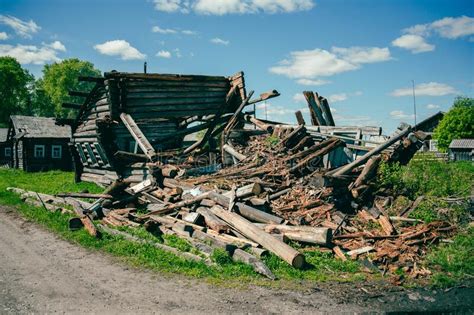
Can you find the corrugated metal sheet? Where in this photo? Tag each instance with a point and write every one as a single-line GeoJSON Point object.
{"type": "Point", "coordinates": [462, 144]}
{"type": "Point", "coordinates": [39, 127]}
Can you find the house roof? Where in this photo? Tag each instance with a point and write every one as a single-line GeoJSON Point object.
{"type": "Point", "coordinates": [3, 134]}
{"type": "Point", "coordinates": [462, 144]}
{"type": "Point", "coordinates": [39, 127]}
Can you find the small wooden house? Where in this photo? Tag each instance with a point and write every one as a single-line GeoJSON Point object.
{"type": "Point", "coordinates": [38, 144]}
{"type": "Point", "coordinates": [461, 150]}
{"type": "Point", "coordinates": [428, 126]}
{"type": "Point", "coordinates": [5, 148]}
{"type": "Point", "coordinates": [127, 115]}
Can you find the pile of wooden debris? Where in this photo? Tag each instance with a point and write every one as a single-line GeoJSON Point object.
{"type": "Point", "coordinates": [278, 190]}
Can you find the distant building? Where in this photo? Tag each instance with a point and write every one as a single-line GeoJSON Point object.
{"type": "Point", "coordinates": [461, 150]}
{"type": "Point", "coordinates": [38, 144]}
{"type": "Point", "coordinates": [428, 125]}
{"type": "Point", "coordinates": [5, 148]}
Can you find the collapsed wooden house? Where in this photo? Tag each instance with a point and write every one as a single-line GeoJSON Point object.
{"type": "Point", "coordinates": [128, 119]}
{"type": "Point", "coordinates": [38, 144]}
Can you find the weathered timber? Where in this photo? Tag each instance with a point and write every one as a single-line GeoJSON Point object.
{"type": "Point", "coordinates": [257, 265]}
{"type": "Point", "coordinates": [245, 210]}
{"type": "Point", "coordinates": [299, 118]}
{"type": "Point", "coordinates": [368, 171]}
{"type": "Point", "coordinates": [363, 159]}
{"type": "Point", "coordinates": [309, 161]}
{"type": "Point", "coordinates": [307, 234]}
{"type": "Point", "coordinates": [231, 150]}
{"type": "Point", "coordinates": [85, 195]}
{"type": "Point", "coordinates": [260, 124]}
{"type": "Point", "coordinates": [138, 135]}
{"type": "Point", "coordinates": [85, 219]}
{"type": "Point", "coordinates": [246, 228]}
{"type": "Point", "coordinates": [212, 221]}
{"type": "Point", "coordinates": [246, 191]}
{"type": "Point", "coordinates": [309, 96]}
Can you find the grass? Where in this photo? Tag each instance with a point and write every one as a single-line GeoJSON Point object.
{"type": "Point", "coordinates": [321, 266]}
{"type": "Point", "coordinates": [453, 263]}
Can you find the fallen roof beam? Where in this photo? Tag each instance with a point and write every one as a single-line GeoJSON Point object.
{"type": "Point", "coordinates": [138, 135]}
{"type": "Point", "coordinates": [72, 105]}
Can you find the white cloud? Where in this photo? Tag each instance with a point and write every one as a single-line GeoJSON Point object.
{"type": "Point", "coordinates": [3, 36]}
{"type": "Point", "coordinates": [299, 98]}
{"type": "Point", "coordinates": [310, 82]}
{"type": "Point", "coordinates": [426, 89]}
{"type": "Point", "coordinates": [219, 41]}
{"type": "Point", "coordinates": [120, 48]}
{"type": "Point", "coordinates": [178, 53]}
{"type": "Point", "coordinates": [57, 45]}
{"type": "Point", "coordinates": [337, 97]}
{"type": "Point", "coordinates": [399, 114]}
{"type": "Point", "coordinates": [311, 64]}
{"type": "Point", "coordinates": [29, 54]}
{"type": "Point", "coordinates": [157, 29]}
{"type": "Point", "coordinates": [360, 55]}
{"type": "Point", "coordinates": [22, 28]}
{"type": "Point", "coordinates": [163, 54]}
{"type": "Point", "coordinates": [447, 27]}
{"type": "Point", "coordinates": [432, 106]}
{"type": "Point", "coordinates": [171, 6]}
{"type": "Point", "coordinates": [189, 32]}
{"type": "Point", "coordinates": [415, 43]}
{"type": "Point", "coordinates": [222, 7]}
{"type": "Point", "coordinates": [358, 93]}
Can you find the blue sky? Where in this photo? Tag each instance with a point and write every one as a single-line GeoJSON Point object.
{"type": "Point", "coordinates": [361, 55]}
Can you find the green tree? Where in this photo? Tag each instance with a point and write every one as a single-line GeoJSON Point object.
{"type": "Point", "coordinates": [457, 123]}
{"type": "Point", "coordinates": [15, 86]}
{"type": "Point", "coordinates": [58, 79]}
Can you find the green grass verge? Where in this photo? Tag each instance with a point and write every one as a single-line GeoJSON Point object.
{"type": "Point", "coordinates": [453, 263]}
{"type": "Point", "coordinates": [321, 266]}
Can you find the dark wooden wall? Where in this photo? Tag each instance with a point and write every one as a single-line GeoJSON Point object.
{"type": "Point", "coordinates": [24, 155]}
{"type": "Point", "coordinates": [4, 159]}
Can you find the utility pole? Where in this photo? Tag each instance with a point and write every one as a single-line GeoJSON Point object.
{"type": "Point", "coordinates": [414, 100]}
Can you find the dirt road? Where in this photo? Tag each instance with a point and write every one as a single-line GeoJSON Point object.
{"type": "Point", "coordinates": [40, 273]}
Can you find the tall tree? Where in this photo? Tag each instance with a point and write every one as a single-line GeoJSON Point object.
{"type": "Point", "coordinates": [15, 85]}
{"type": "Point", "coordinates": [58, 79]}
{"type": "Point", "coordinates": [457, 123]}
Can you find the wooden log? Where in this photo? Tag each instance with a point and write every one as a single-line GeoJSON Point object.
{"type": "Point", "coordinates": [260, 124]}
{"type": "Point", "coordinates": [363, 159]}
{"type": "Point", "coordinates": [212, 221]}
{"type": "Point", "coordinates": [253, 189]}
{"type": "Point", "coordinates": [300, 118]}
{"type": "Point", "coordinates": [246, 228]}
{"type": "Point", "coordinates": [86, 220]}
{"type": "Point", "coordinates": [308, 234]}
{"type": "Point", "coordinates": [315, 108]}
{"type": "Point", "coordinates": [178, 205]}
{"type": "Point", "coordinates": [327, 111]}
{"type": "Point", "coordinates": [309, 160]}
{"type": "Point", "coordinates": [85, 195]}
{"type": "Point", "coordinates": [368, 172]}
{"type": "Point", "coordinates": [245, 210]}
{"type": "Point", "coordinates": [257, 265]}
{"type": "Point", "coordinates": [184, 255]}
{"type": "Point", "coordinates": [130, 157]}
{"type": "Point", "coordinates": [229, 149]}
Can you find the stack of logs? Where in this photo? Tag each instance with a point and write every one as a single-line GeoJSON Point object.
{"type": "Point", "coordinates": [278, 192]}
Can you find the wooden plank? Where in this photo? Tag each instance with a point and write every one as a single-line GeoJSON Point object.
{"type": "Point", "coordinates": [138, 135]}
